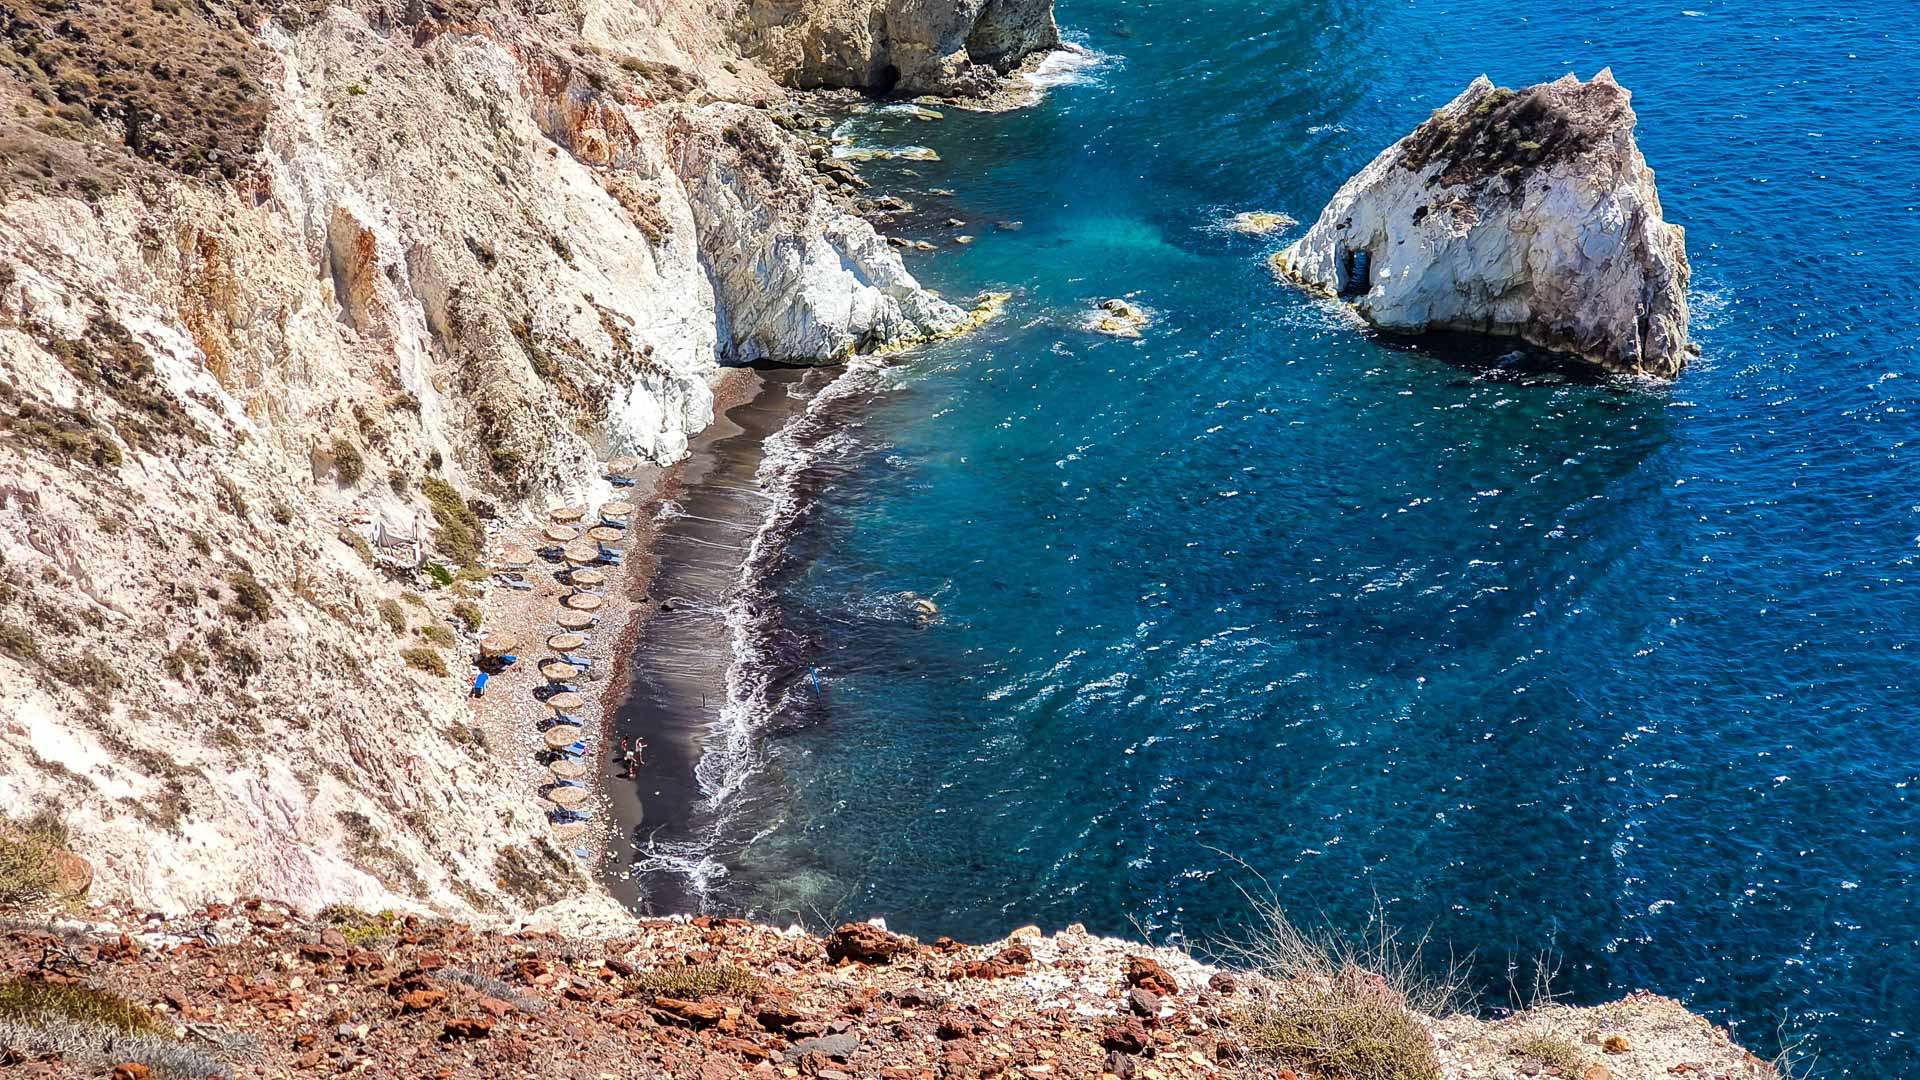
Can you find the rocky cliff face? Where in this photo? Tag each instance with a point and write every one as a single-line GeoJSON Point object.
{"type": "Point", "coordinates": [352, 270]}
{"type": "Point", "coordinates": [1527, 213]}
{"type": "Point", "coordinates": [952, 47]}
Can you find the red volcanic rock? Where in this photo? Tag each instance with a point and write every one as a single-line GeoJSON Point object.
{"type": "Point", "coordinates": [470, 1027]}
{"type": "Point", "coordinates": [422, 1000]}
{"type": "Point", "coordinates": [866, 943]}
{"type": "Point", "coordinates": [1147, 974]}
{"type": "Point", "coordinates": [697, 1013]}
{"type": "Point", "coordinates": [1128, 1037]}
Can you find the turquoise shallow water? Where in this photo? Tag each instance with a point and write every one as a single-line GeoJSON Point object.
{"type": "Point", "coordinates": [1621, 673]}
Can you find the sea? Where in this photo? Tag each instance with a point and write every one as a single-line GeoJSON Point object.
{"type": "Point", "coordinates": [1606, 678]}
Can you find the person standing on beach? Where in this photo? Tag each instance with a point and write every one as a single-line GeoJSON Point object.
{"type": "Point", "coordinates": [627, 758]}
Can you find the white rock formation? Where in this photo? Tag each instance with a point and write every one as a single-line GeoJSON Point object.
{"type": "Point", "coordinates": [454, 250]}
{"type": "Point", "coordinates": [1528, 213]}
{"type": "Point", "coordinates": [958, 47]}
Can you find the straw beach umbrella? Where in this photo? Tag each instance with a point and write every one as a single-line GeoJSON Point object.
{"type": "Point", "coordinates": [569, 797]}
{"type": "Point", "coordinates": [587, 577]}
{"type": "Point", "coordinates": [584, 601]}
{"type": "Point", "coordinates": [568, 831]}
{"type": "Point", "coordinates": [568, 769]}
{"type": "Point", "coordinates": [561, 736]}
{"type": "Point", "coordinates": [618, 508]}
{"type": "Point", "coordinates": [569, 619]}
{"type": "Point", "coordinates": [581, 554]}
{"type": "Point", "coordinates": [567, 514]}
{"type": "Point", "coordinates": [557, 671]}
{"type": "Point", "coordinates": [566, 642]}
{"type": "Point", "coordinates": [606, 534]}
{"type": "Point", "coordinates": [566, 702]}
{"type": "Point", "coordinates": [515, 555]}
{"type": "Point", "coordinates": [561, 534]}
{"type": "Point", "coordinates": [498, 644]}
{"type": "Point", "coordinates": [622, 465]}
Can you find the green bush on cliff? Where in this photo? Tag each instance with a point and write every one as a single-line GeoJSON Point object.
{"type": "Point", "coordinates": [425, 659]}
{"type": "Point", "coordinates": [460, 532]}
{"type": "Point", "coordinates": [691, 982]}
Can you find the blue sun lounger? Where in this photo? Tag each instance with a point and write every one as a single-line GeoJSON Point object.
{"type": "Point", "coordinates": [576, 661]}
{"type": "Point", "coordinates": [614, 522]}
{"type": "Point", "coordinates": [619, 481]}
{"type": "Point", "coordinates": [514, 582]}
{"type": "Point", "coordinates": [480, 683]}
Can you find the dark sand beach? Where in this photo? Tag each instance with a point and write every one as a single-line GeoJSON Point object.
{"type": "Point", "coordinates": [680, 651]}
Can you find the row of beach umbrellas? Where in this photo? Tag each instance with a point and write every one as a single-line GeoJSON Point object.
{"type": "Point", "coordinates": [581, 548]}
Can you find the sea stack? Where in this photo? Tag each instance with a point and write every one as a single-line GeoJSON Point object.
{"type": "Point", "coordinates": [1526, 213]}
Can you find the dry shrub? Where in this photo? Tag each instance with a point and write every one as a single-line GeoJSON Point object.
{"type": "Point", "coordinates": [425, 659]}
{"type": "Point", "coordinates": [1550, 1050]}
{"type": "Point", "coordinates": [695, 981]}
{"type": "Point", "coordinates": [27, 872]}
{"type": "Point", "coordinates": [1334, 1007]}
{"type": "Point", "coordinates": [39, 1002]}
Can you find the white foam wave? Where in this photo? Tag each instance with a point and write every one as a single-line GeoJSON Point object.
{"type": "Point", "coordinates": [1072, 64]}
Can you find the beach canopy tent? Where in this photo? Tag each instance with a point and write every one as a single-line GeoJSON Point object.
{"type": "Point", "coordinates": [569, 619]}
{"type": "Point", "coordinates": [561, 736]}
{"type": "Point", "coordinates": [566, 702]}
{"type": "Point", "coordinates": [498, 644]}
{"type": "Point", "coordinates": [584, 601]}
{"type": "Point", "coordinates": [561, 534]}
{"type": "Point", "coordinates": [618, 508]}
{"type": "Point", "coordinates": [569, 797]}
{"type": "Point", "coordinates": [568, 769]}
{"type": "Point", "coordinates": [566, 642]}
{"type": "Point", "coordinates": [567, 514]}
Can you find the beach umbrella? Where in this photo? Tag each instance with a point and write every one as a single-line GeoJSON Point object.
{"type": "Point", "coordinates": [561, 534]}
{"type": "Point", "coordinates": [566, 514]}
{"type": "Point", "coordinates": [566, 701]}
{"type": "Point", "coordinates": [562, 736]}
{"type": "Point", "coordinates": [582, 554]}
{"type": "Point", "coordinates": [566, 642]}
{"type": "Point", "coordinates": [569, 797]}
{"type": "Point", "coordinates": [568, 769]}
{"type": "Point", "coordinates": [568, 831]}
{"type": "Point", "coordinates": [498, 644]}
{"type": "Point", "coordinates": [588, 577]}
{"type": "Point", "coordinates": [569, 619]}
{"type": "Point", "coordinates": [584, 601]}
{"type": "Point", "coordinates": [618, 508]}
{"type": "Point", "coordinates": [515, 555]}
{"type": "Point", "coordinates": [622, 465]}
{"type": "Point", "coordinates": [606, 534]}
{"type": "Point", "coordinates": [557, 671]}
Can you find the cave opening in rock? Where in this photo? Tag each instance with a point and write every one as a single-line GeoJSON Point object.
{"type": "Point", "coordinates": [1356, 272]}
{"type": "Point", "coordinates": [888, 78]}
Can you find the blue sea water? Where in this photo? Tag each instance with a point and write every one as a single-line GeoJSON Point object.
{"type": "Point", "coordinates": [1621, 673]}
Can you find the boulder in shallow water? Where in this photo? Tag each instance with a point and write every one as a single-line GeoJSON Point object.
{"type": "Point", "coordinates": [1527, 213]}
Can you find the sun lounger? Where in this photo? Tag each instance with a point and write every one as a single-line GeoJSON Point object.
{"type": "Point", "coordinates": [577, 748]}
{"type": "Point", "coordinates": [480, 683]}
{"type": "Point", "coordinates": [614, 523]}
{"type": "Point", "coordinates": [576, 661]}
{"type": "Point", "coordinates": [619, 481]}
{"type": "Point", "coordinates": [514, 582]}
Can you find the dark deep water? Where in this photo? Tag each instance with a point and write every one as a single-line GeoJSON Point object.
{"type": "Point", "coordinates": [1626, 673]}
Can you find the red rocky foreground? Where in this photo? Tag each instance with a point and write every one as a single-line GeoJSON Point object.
{"type": "Point", "coordinates": [255, 990]}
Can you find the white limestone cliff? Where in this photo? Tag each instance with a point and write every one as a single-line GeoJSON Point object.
{"type": "Point", "coordinates": [468, 246]}
{"type": "Point", "coordinates": [906, 46]}
{"type": "Point", "coordinates": [1525, 213]}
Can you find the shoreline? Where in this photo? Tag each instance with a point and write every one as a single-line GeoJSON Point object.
{"type": "Point", "coordinates": [676, 651]}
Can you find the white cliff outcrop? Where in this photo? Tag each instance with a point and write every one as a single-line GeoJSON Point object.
{"type": "Point", "coordinates": [1525, 213]}
{"type": "Point", "coordinates": [956, 47]}
{"type": "Point", "coordinates": [355, 268]}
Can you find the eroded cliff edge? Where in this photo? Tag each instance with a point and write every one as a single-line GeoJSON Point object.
{"type": "Point", "coordinates": [280, 278]}
{"type": "Point", "coordinates": [1528, 214]}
